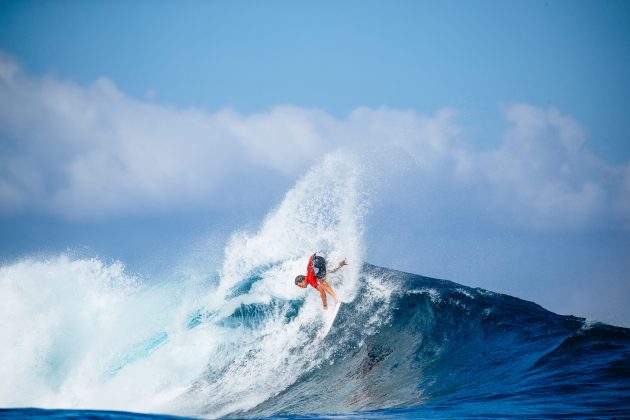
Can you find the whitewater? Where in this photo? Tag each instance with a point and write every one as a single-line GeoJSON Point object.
{"type": "Point", "coordinates": [239, 339]}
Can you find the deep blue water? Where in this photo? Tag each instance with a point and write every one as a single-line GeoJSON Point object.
{"type": "Point", "coordinates": [443, 351]}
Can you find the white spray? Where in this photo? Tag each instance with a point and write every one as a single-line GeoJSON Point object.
{"type": "Point", "coordinates": [83, 334]}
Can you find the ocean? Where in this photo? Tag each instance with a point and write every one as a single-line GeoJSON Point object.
{"type": "Point", "coordinates": [85, 338]}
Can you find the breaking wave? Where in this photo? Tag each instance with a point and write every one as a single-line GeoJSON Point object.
{"type": "Point", "coordinates": [82, 333]}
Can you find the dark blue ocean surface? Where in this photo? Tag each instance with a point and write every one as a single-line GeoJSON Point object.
{"type": "Point", "coordinates": [452, 351]}
{"type": "Point", "coordinates": [442, 350]}
{"type": "Point", "coordinates": [38, 413]}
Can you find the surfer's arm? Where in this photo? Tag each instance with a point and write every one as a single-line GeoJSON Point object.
{"type": "Point", "coordinates": [341, 264]}
{"type": "Point", "coordinates": [322, 293]}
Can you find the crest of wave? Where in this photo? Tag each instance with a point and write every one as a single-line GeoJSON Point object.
{"type": "Point", "coordinates": [323, 212]}
{"type": "Point", "coordinates": [80, 333]}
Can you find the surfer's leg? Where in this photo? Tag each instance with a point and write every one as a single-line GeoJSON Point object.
{"type": "Point", "coordinates": [329, 290]}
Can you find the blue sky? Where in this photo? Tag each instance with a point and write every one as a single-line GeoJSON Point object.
{"type": "Point", "coordinates": [510, 117]}
{"type": "Point", "coordinates": [340, 55]}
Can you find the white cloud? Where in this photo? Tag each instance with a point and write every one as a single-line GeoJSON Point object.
{"type": "Point", "coordinates": [92, 151]}
{"type": "Point", "coordinates": [85, 152]}
{"type": "Point", "coordinates": [542, 174]}
{"type": "Point", "coordinates": [284, 139]}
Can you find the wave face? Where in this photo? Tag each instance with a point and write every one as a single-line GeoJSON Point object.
{"type": "Point", "coordinates": [442, 349]}
{"type": "Point", "coordinates": [242, 341]}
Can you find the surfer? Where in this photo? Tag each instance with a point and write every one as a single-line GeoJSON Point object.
{"type": "Point", "coordinates": [316, 276]}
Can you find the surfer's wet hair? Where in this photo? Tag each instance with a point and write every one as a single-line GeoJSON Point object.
{"type": "Point", "coordinates": [299, 279]}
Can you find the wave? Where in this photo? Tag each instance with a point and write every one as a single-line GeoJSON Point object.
{"type": "Point", "coordinates": [445, 345]}
{"type": "Point", "coordinates": [81, 333]}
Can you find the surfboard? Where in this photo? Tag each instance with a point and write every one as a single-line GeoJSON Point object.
{"type": "Point", "coordinates": [329, 320]}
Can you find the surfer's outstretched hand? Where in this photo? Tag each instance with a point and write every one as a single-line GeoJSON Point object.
{"type": "Point", "coordinates": [341, 264]}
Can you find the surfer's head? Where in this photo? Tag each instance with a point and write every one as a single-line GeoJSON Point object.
{"type": "Point", "coordinates": [300, 281]}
